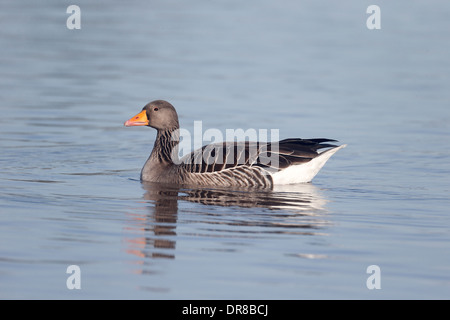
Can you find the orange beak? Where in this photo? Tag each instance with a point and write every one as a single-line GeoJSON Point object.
{"type": "Point", "coordinates": [138, 120]}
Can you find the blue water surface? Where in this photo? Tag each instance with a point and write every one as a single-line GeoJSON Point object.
{"type": "Point", "coordinates": [69, 171]}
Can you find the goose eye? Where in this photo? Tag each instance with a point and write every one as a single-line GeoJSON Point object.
{"type": "Point", "coordinates": [155, 109]}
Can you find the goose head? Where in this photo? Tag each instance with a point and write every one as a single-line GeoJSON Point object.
{"type": "Point", "coordinates": [158, 114]}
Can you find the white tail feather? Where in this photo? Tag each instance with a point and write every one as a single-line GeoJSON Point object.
{"type": "Point", "coordinates": [304, 172]}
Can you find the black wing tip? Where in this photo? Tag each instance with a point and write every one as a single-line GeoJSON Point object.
{"type": "Point", "coordinates": [312, 144]}
{"type": "Point", "coordinates": [321, 140]}
{"type": "Point", "coordinates": [315, 140]}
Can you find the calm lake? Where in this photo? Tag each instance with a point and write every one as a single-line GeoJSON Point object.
{"type": "Point", "coordinates": [69, 170]}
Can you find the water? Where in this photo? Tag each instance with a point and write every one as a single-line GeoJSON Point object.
{"type": "Point", "coordinates": [70, 193]}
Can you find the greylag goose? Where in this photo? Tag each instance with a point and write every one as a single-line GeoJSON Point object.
{"type": "Point", "coordinates": [238, 164]}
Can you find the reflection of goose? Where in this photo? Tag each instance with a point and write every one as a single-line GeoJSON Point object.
{"type": "Point", "coordinates": [158, 225]}
{"type": "Point", "coordinates": [300, 198]}
{"type": "Point", "coordinates": [241, 164]}
{"type": "Point", "coordinates": [297, 209]}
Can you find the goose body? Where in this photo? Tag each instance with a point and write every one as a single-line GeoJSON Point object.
{"type": "Point", "coordinates": [240, 164]}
